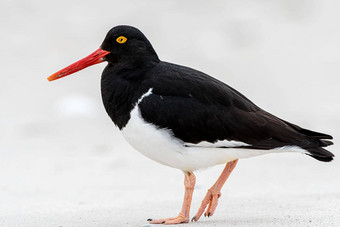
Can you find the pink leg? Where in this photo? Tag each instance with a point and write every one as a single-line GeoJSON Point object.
{"type": "Point", "coordinates": [214, 192]}
{"type": "Point", "coordinates": [183, 217]}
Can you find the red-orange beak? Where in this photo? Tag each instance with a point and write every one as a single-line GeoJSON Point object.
{"type": "Point", "coordinates": [94, 58]}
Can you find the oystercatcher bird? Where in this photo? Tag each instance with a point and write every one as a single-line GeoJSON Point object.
{"type": "Point", "coordinates": [186, 119]}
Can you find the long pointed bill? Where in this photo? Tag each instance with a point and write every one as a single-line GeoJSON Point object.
{"type": "Point", "coordinates": [94, 58]}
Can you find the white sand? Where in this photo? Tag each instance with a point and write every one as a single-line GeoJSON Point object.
{"type": "Point", "coordinates": [62, 161]}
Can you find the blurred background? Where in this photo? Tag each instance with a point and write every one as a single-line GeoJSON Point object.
{"type": "Point", "coordinates": [62, 161]}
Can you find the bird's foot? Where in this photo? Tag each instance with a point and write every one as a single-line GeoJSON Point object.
{"type": "Point", "coordinates": [210, 198]}
{"type": "Point", "coordinates": [170, 221]}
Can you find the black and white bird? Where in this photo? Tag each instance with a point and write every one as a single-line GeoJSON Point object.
{"type": "Point", "coordinates": [186, 119]}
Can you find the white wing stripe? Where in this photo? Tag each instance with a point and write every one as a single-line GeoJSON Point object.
{"type": "Point", "coordinates": [219, 143]}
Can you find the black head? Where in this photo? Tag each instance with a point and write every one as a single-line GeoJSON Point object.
{"type": "Point", "coordinates": [124, 47]}
{"type": "Point", "coordinates": [127, 44]}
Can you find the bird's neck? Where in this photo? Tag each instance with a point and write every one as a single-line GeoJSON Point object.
{"type": "Point", "coordinates": [121, 87]}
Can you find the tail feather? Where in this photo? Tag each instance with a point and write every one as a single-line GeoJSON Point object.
{"type": "Point", "coordinates": [317, 152]}
{"type": "Point", "coordinates": [310, 133]}
{"type": "Point", "coordinates": [320, 154]}
{"type": "Point", "coordinates": [325, 143]}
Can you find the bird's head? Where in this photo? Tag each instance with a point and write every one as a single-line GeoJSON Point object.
{"type": "Point", "coordinates": [122, 45]}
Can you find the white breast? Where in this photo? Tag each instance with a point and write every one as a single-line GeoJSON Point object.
{"type": "Point", "coordinates": [161, 146]}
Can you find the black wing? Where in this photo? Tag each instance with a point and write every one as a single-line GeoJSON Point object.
{"type": "Point", "coordinates": [197, 107]}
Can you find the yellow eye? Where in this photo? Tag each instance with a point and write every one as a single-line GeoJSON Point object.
{"type": "Point", "coordinates": [121, 39]}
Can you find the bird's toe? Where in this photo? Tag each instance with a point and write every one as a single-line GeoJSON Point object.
{"type": "Point", "coordinates": [170, 221]}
